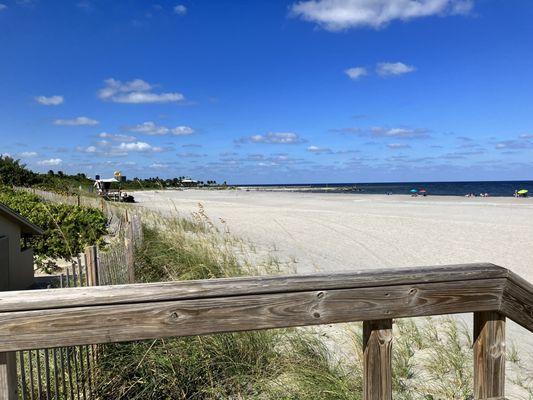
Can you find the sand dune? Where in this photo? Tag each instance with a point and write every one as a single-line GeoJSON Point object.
{"type": "Point", "coordinates": [333, 232]}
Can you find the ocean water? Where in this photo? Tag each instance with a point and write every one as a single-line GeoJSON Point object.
{"type": "Point", "coordinates": [495, 188]}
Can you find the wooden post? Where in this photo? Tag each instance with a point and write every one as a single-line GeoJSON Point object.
{"type": "Point", "coordinates": [129, 249]}
{"type": "Point", "coordinates": [8, 376]}
{"type": "Point", "coordinates": [377, 347]}
{"type": "Point", "coordinates": [489, 355]}
{"type": "Point", "coordinates": [91, 260]}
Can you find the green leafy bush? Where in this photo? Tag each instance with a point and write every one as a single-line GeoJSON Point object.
{"type": "Point", "coordinates": [12, 172]}
{"type": "Point", "coordinates": [68, 229]}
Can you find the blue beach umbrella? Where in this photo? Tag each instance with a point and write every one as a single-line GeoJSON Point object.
{"type": "Point", "coordinates": [414, 191]}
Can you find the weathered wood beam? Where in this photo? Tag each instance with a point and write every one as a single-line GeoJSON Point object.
{"type": "Point", "coordinates": [377, 362]}
{"type": "Point", "coordinates": [489, 355]}
{"type": "Point", "coordinates": [517, 301]}
{"type": "Point", "coordinates": [91, 324]}
{"type": "Point", "coordinates": [213, 288]}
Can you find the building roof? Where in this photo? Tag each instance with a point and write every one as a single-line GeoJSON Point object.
{"type": "Point", "coordinates": [25, 226]}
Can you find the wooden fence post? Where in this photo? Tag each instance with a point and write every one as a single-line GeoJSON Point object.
{"type": "Point", "coordinates": [489, 355]}
{"type": "Point", "coordinates": [377, 347]}
{"type": "Point", "coordinates": [8, 376]}
{"type": "Point", "coordinates": [91, 260]}
{"type": "Point", "coordinates": [129, 249]}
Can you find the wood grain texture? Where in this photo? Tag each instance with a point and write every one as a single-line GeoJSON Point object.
{"type": "Point", "coordinates": [8, 376]}
{"type": "Point", "coordinates": [127, 294]}
{"type": "Point", "coordinates": [377, 360]}
{"type": "Point", "coordinates": [489, 355]}
{"type": "Point", "coordinates": [93, 324]}
{"type": "Point", "coordinates": [91, 260]}
{"type": "Point", "coordinates": [517, 301]}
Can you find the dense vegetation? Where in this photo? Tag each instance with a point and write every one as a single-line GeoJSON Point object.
{"type": "Point", "coordinates": [68, 229]}
{"type": "Point", "coordinates": [14, 173]}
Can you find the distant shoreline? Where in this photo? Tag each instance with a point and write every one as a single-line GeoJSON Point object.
{"type": "Point", "coordinates": [326, 191]}
{"type": "Point", "coordinates": [461, 189]}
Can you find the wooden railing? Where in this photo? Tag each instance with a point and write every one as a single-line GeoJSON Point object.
{"type": "Point", "coordinates": [92, 315]}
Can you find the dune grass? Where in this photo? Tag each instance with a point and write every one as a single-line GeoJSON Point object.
{"type": "Point", "coordinates": [432, 356]}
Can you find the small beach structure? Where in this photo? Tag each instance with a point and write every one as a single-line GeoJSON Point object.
{"type": "Point", "coordinates": [187, 182]}
{"type": "Point", "coordinates": [16, 263]}
{"type": "Point", "coordinates": [105, 190]}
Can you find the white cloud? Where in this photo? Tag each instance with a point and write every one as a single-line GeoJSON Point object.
{"type": "Point", "coordinates": [182, 130]}
{"type": "Point", "coordinates": [116, 137]}
{"type": "Point", "coordinates": [393, 69]}
{"type": "Point", "coordinates": [50, 101]}
{"type": "Point", "coordinates": [89, 149]}
{"type": "Point", "coordinates": [273, 138]}
{"type": "Point", "coordinates": [103, 143]}
{"type": "Point", "coordinates": [141, 98]}
{"type": "Point", "coordinates": [337, 15]}
{"type": "Point", "coordinates": [2, 7]}
{"type": "Point", "coordinates": [191, 155]}
{"type": "Point", "coordinates": [142, 147]}
{"type": "Point", "coordinates": [28, 154]}
{"type": "Point", "coordinates": [150, 128]}
{"type": "Point", "coordinates": [79, 121]}
{"type": "Point", "coordinates": [136, 91]}
{"type": "Point", "coordinates": [51, 162]}
{"type": "Point", "coordinates": [514, 144]}
{"type": "Point", "coordinates": [319, 150]}
{"type": "Point", "coordinates": [180, 9]}
{"type": "Point", "coordinates": [108, 149]}
{"type": "Point", "coordinates": [356, 72]}
{"type": "Point", "coordinates": [398, 146]}
{"type": "Point", "coordinates": [405, 133]}
{"type": "Point", "coordinates": [157, 165]}
{"type": "Point", "coordinates": [526, 136]}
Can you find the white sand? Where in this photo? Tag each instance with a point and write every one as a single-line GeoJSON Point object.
{"type": "Point", "coordinates": [332, 232]}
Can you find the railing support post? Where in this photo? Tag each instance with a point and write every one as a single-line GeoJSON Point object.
{"type": "Point", "coordinates": [8, 376]}
{"type": "Point", "coordinates": [377, 347]}
{"type": "Point", "coordinates": [489, 355]}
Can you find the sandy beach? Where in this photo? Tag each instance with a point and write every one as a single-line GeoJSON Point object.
{"type": "Point", "coordinates": [333, 232]}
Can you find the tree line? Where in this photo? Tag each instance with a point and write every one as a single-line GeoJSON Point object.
{"type": "Point", "coordinates": [14, 173]}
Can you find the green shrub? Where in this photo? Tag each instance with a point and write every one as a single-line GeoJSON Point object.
{"type": "Point", "coordinates": [67, 229]}
{"type": "Point", "coordinates": [12, 172]}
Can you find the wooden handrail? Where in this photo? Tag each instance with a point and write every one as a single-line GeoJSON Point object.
{"type": "Point", "coordinates": [76, 316]}
{"type": "Point", "coordinates": [213, 288]}
{"type": "Point", "coordinates": [106, 314]}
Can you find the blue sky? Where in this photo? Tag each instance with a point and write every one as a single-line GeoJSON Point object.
{"type": "Point", "coordinates": [270, 92]}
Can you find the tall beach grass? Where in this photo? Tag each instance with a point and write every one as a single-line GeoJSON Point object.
{"type": "Point", "coordinates": [432, 356]}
